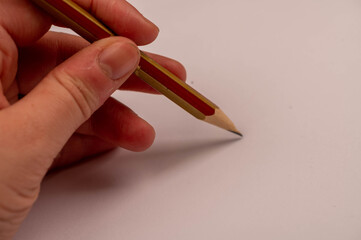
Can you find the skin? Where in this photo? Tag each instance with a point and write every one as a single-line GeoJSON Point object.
{"type": "Point", "coordinates": [67, 113]}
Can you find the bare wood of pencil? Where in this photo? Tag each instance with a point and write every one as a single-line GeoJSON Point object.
{"type": "Point", "coordinates": [165, 82]}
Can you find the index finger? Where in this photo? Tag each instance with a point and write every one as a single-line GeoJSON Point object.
{"type": "Point", "coordinates": [122, 18]}
{"type": "Point", "coordinates": [26, 24]}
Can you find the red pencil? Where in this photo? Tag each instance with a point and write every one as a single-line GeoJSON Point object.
{"type": "Point", "coordinates": [87, 26]}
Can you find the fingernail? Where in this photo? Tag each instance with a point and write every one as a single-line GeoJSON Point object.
{"type": "Point", "coordinates": [153, 24]}
{"type": "Point", "coordinates": [119, 60]}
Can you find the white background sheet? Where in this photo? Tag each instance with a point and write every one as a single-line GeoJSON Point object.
{"type": "Point", "coordinates": [288, 73]}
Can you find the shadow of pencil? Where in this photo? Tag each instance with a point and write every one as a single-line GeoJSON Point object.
{"type": "Point", "coordinates": [162, 159]}
{"type": "Point", "coordinates": [123, 168]}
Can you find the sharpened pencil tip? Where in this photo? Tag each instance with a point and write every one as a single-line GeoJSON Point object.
{"type": "Point", "coordinates": [237, 133]}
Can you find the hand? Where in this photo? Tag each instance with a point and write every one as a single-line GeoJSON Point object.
{"type": "Point", "coordinates": [66, 113]}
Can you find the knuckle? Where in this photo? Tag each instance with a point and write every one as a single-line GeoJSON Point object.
{"type": "Point", "coordinates": [81, 96]}
{"type": "Point", "coordinates": [15, 206]}
{"type": "Point", "coordinates": [8, 57]}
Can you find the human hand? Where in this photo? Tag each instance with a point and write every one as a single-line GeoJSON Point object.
{"type": "Point", "coordinates": [66, 113]}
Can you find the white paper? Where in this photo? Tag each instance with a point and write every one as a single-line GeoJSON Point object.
{"type": "Point", "coordinates": [288, 73]}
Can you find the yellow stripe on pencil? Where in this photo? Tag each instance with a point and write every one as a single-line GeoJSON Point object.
{"type": "Point", "coordinates": [162, 80]}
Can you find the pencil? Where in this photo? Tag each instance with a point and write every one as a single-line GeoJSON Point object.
{"type": "Point", "coordinates": [162, 80]}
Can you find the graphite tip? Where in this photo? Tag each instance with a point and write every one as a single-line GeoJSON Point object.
{"type": "Point", "coordinates": [237, 133]}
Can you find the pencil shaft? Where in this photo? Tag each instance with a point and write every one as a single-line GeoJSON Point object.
{"type": "Point", "coordinates": [150, 71]}
{"type": "Point", "coordinates": [165, 82]}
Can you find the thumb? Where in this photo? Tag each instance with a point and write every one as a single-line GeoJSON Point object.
{"type": "Point", "coordinates": [35, 129]}
{"type": "Point", "coordinates": [71, 93]}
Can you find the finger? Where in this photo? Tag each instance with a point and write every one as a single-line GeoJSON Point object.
{"type": "Point", "coordinates": [8, 60]}
{"type": "Point", "coordinates": [123, 19]}
{"type": "Point", "coordinates": [26, 23]}
{"type": "Point", "coordinates": [117, 124]}
{"type": "Point", "coordinates": [66, 98]}
{"type": "Point", "coordinates": [21, 24]}
{"type": "Point", "coordinates": [79, 147]}
{"type": "Point", "coordinates": [37, 60]}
